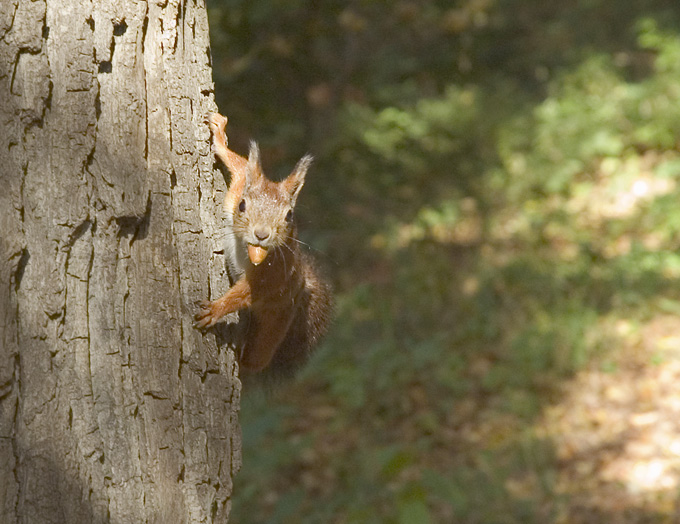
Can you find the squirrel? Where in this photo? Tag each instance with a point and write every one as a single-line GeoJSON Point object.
{"type": "Point", "coordinates": [290, 304]}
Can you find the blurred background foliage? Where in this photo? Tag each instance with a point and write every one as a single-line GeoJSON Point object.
{"type": "Point", "coordinates": [495, 193]}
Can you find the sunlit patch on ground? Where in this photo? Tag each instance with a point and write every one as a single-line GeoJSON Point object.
{"type": "Point", "coordinates": [617, 429]}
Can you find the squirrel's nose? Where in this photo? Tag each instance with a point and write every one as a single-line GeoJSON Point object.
{"type": "Point", "coordinates": [262, 233]}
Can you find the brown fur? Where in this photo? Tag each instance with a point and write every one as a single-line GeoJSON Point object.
{"type": "Point", "coordinates": [290, 304]}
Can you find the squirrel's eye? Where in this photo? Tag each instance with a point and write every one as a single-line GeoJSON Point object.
{"type": "Point", "coordinates": [289, 215]}
{"type": "Point", "coordinates": [242, 206]}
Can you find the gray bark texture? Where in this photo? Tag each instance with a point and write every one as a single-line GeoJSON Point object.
{"type": "Point", "coordinates": [112, 407]}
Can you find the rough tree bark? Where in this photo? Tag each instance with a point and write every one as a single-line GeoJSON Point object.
{"type": "Point", "coordinates": [112, 408]}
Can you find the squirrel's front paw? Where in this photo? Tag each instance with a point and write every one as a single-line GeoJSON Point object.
{"type": "Point", "coordinates": [217, 122]}
{"type": "Point", "coordinates": [207, 315]}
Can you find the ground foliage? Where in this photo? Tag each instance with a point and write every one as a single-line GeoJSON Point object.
{"type": "Point", "coordinates": [495, 195]}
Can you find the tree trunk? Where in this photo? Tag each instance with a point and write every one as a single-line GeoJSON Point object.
{"type": "Point", "coordinates": [112, 407]}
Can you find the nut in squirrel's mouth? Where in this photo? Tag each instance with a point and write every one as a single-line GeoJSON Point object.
{"type": "Point", "coordinates": [256, 254]}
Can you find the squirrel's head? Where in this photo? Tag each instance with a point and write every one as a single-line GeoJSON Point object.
{"type": "Point", "coordinates": [263, 215]}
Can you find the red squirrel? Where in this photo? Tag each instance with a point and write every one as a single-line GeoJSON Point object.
{"type": "Point", "coordinates": [289, 302]}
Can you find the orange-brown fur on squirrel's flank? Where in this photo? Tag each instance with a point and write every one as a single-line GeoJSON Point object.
{"type": "Point", "coordinates": [290, 304]}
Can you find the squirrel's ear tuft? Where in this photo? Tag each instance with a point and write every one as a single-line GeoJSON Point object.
{"type": "Point", "coordinates": [294, 182]}
{"type": "Point", "coordinates": [254, 169]}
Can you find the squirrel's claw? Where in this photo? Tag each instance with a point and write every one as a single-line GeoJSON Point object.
{"type": "Point", "coordinates": [217, 122]}
{"type": "Point", "coordinates": [204, 318]}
